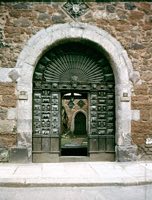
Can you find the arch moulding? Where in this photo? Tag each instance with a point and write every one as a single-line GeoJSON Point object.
{"type": "Point", "coordinates": [120, 63]}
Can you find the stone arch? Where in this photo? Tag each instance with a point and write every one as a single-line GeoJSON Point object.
{"type": "Point", "coordinates": [120, 63]}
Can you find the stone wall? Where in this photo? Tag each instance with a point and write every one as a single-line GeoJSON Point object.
{"type": "Point", "coordinates": [130, 23]}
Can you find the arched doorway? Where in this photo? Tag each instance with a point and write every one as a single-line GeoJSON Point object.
{"type": "Point", "coordinates": [77, 74]}
{"type": "Point", "coordinates": [80, 124]}
{"type": "Point", "coordinates": [123, 72]}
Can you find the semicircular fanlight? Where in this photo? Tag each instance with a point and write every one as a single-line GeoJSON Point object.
{"type": "Point", "coordinates": [64, 66]}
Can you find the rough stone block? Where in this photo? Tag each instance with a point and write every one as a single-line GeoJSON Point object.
{"type": "Point", "coordinates": [24, 139]}
{"type": "Point", "coordinates": [24, 125]}
{"type": "Point", "coordinates": [135, 115]}
{"type": "Point", "coordinates": [7, 126]}
{"type": "Point", "coordinates": [8, 101]}
{"type": "Point", "coordinates": [136, 15]}
{"type": "Point", "coordinates": [138, 140]}
{"type": "Point", "coordinates": [41, 8]}
{"type": "Point", "coordinates": [143, 127]}
{"type": "Point", "coordinates": [44, 17]}
{"type": "Point", "coordinates": [3, 113]}
{"type": "Point", "coordinates": [145, 6]}
{"type": "Point", "coordinates": [110, 8]}
{"type": "Point", "coordinates": [126, 153]}
{"type": "Point", "coordinates": [4, 155]}
{"type": "Point", "coordinates": [145, 115]}
{"type": "Point", "coordinates": [18, 155]}
{"type": "Point", "coordinates": [4, 75]}
{"type": "Point", "coordinates": [7, 140]}
{"type": "Point", "coordinates": [12, 114]}
{"type": "Point", "coordinates": [23, 22]}
{"type": "Point", "coordinates": [45, 158]}
{"type": "Point", "coordinates": [7, 88]}
{"type": "Point", "coordinates": [130, 6]}
{"type": "Point", "coordinates": [58, 18]}
{"type": "Point", "coordinates": [21, 6]}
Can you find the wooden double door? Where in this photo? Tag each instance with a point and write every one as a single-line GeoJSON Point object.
{"type": "Point", "coordinates": [73, 105]}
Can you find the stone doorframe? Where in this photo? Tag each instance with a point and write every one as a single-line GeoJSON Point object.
{"type": "Point", "coordinates": [120, 63]}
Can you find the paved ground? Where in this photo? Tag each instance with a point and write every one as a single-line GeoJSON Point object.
{"type": "Point", "coordinates": [78, 193]}
{"type": "Point", "coordinates": [76, 174]}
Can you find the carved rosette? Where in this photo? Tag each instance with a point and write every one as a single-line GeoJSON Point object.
{"type": "Point", "coordinates": [75, 9]}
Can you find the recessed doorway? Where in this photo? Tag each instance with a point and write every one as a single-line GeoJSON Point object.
{"type": "Point", "coordinates": [73, 105]}
{"type": "Point", "coordinates": [74, 136]}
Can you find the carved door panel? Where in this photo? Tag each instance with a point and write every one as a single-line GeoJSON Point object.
{"type": "Point", "coordinates": [102, 121]}
{"type": "Point", "coordinates": [46, 122]}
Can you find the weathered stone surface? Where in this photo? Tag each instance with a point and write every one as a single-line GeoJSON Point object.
{"type": "Point", "coordinates": [4, 77]}
{"type": "Point", "coordinates": [15, 13]}
{"type": "Point", "coordinates": [130, 6]}
{"type": "Point", "coordinates": [141, 89]}
{"type": "Point", "coordinates": [138, 139]}
{"type": "Point", "coordinates": [8, 101]}
{"type": "Point", "coordinates": [140, 102]}
{"type": "Point", "coordinates": [23, 22]}
{"type": "Point", "coordinates": [2, 44]}
{"type": "Point", "coordinates": [136, 15]}
{"type": "Point", "coordinates": [145, 115]}
{"type": "Point", "coordinates": [135, 77]}
{"type": "Point", "coordinates": [147, 76]}
{"type": "Point", "coordinates": [136, 46]}
{"type": "Point", "coordinates": [3, 113]}
{"type": "Point", "coordinates": [14, 75]}
{"type": "Point", "coordinates": [141, 129]}
{"type": "Point", "coordinates": [12, 114]}
{"type": "Point", "coordinates": [24, 139]}
{"type": "Point", "coordinates": [121, 27]}
{"type": "Point", "coordinates": [41, 8]}
{"type": "Point", "coordinates": [21, 6]}
{"type": "Point", "coordinates": [18, 155]}
{"type": "Point", "coordinates": [7, 126]}
{"type": "Point", "coordinates": [150, 19]}
{"type": "Point", "coordinates": [8, 140]}
{"type": "Point", "coordinates": [57, 18]}
{"type": "Point", "coordinates": [4, 155]}
{"type": "Point", "coordinates": [147, 27]}
{"type": "Point", "coordinates": [110, 8]}
{"type": "Point", "coordinates": [127, 153]}
{"type": "Point", "coordinates": [1, 35]}
{"type": "Point", "coordinates": [150, 90]}
{"type": "Point", "coordinates": [44, 17]}
{"type": "Point", "coordinates": [7, 88]}
{"type": "Point", "coordinates": [135, 115]}
{"type": "Point", "coordinates": [144, 6]}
